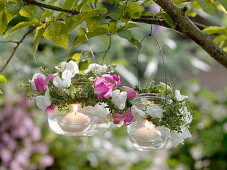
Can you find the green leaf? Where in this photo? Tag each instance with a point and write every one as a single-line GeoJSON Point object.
{"type": "Point", "coordinates": [98, 31]}
{"type": "Point", "coordinates": [207, 6]}
{"type": "Point", "coordinates": [133, 10]}
{"type": "Point", "coordinates": [68, 4]}
{"type": "Point", "coordinates": [12, 8]}
{"type": "Point", "coordinates": [39, 33]}
{"type": "Point", "coordinates": [27, 11]}
{"type": "Point", "coordinates": [3, 79]}
{"type": "Point", "coordinates": [127, 34]}
{"type": "Point", "coordinates": [76, 57]}
{"type": "Point", "coordinates": [75, 20]}
{"type": "Point", "coordinates": [220, 38]}
{"type": "Point", "coordinates": [130, 25]}
{"type": "Point", "coordinates": [168, 19]}
{"type": "Point", "coordinates": [215, 30]}
{"type": "Point", "coordinates": [1, 92]}
{"type": "Point", "coordinates": [112, 27]}
{"type": "Point", "coordinates": [93, 22]}
{"type": "Point", "coordinates": [21, 25]}
{"type": "Point", "coordinates": [83, 65]}
{"type": "Point", "coordinates": [224, 3]}
{"type": "Point", "coordinates": [3, 22]}
{"type": "Point", "coordinates": [81, 4]}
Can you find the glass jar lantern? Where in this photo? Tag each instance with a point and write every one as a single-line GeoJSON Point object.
{"type": "Point", "coordinates": [76, 123]}
{"type": "Point", "coordinates": [143, 134]}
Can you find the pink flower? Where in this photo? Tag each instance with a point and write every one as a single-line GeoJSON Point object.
{"type": "Point", "coordinates": [127, 117]}
{"type": "Point", "coordinates": [41, 83]}
{"type": "Point", "coordinates": [103, 85]}
{"type": "Point", "coordinates": [50, 109]}
{"type": "Point", "coordinates": [130, 92]}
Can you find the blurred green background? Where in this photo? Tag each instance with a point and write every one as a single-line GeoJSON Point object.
{"type": "Point", "coordinates": [26, 142]}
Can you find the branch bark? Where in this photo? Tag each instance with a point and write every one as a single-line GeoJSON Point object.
{"type": "Point", "coordinates": [192, 31]}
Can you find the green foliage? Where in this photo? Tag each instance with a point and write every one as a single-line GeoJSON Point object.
{"type": "Point", "coordinates": [27, 11]}
{"type": "Point", "coordinates": [20, 26]}
{"type": "Point", "coordinates": [83, 64]}
{"type": "Point", "coordinates": [3, 79]}
{"type": "Point", "coordinates": [38, 35]}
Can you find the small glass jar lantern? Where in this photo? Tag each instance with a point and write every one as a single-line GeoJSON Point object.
{"type": "Point", "coordinates": [143, 134]}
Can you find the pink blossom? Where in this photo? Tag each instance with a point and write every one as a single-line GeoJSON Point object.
{"type": "Point", "coordinates": [130, 92]}
{"type": "Point", "coordinates": [127, 117]}
{"type": "Point", "coordinates": [51, 109]}
{"type": "Point", "coordinates": [41, 83]}
{"type": "Point", "coordinates": [103, 85]}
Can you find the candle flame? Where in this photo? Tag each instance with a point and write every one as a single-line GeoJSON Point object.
{"type": "Point", "coordinates": [148, 124]}
{"type": "Point", "coordinates": [75, 108]}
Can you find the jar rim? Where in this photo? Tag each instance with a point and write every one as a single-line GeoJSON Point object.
{"type": "Point", "coordinates": [153, 95]}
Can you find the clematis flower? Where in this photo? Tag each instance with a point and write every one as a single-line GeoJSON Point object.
{"type": "Point", "coordinates": [63, 82]}
{"type": "Point", "coordinates": [127, 117]}
{"type": "Point", "coordinates": [179, 97]}
{"type": "Point", "coordinates": [44, 103]}
{"type": "Point", "coordinates": [40, 81]}
{"type": "Point", "coordinates": [103, 85]}
{"type": "Point", "coordinates": [119, 98]}
{"type": "Point", "coordinates": [130, 92]}
{"type": "Point", "coordinates": [70, 66]}
{"type": "Point", "coordinates": [96, 68]}
{"type": "Point", "coordinates": [155, 111]}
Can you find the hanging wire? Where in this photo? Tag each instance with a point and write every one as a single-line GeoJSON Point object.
{"type": "Point", "coordinates": [162, 56]}
{"type": "Point", "coordinates": [92, 53]}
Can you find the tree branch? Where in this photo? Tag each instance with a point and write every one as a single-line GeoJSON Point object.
{"type": "Point", "coordinates": [192, 31]}
{"type": "Point", "coordinates": [16, 47]}
{"type": "Point", "coordinates": [146, 20]}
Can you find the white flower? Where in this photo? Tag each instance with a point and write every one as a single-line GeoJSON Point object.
{"type": "Point", "coordinates": [137, 113]}
{"type": "Point", "coordinates": [187, 118]}
{"type": "Point", "coordinates": [43, 101]}
{"type": "Point", "coordinates": [178, 138]}
{"type": "Point", "coordinates": [96, 68]}
{"type": "Point", "coordinates": [119, 98]}
{"type": "Point", "coordinates": [155, 111]}
{"type": "Point", "coordinates": [97, 113]}
{"type": "Point", "coordinates": [71, 66]}
{"type": "Point", "coordinates": [35, 76]}
{"type": "Point", "coordinates": [65, 81]}
{"type": "Point", "coordinates": [179, 97]}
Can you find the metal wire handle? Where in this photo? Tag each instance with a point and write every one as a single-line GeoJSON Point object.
{"type": "Point", "coordinates": [161, 52]}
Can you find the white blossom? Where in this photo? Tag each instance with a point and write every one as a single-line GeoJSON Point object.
{"type": "Point", "coordinates": [178, 138]}
{"type": "Point", "coordinates": [98, 113]}
{"type": "Point", "coordinates": [119, 98]}
{"type": "Point", "coordinates": [179, 97]}
{"type": "Point", "coordinates": [63, 82]}
{"type": "Point", "coordinates": [137, 113]}
{"type": "Point", "coordinates": [187, 118]}
{"type": "Point", "coordinates": [43, 101]}
{"type": "Point", "coordinates": [70, 66]}
{"type": "Point", "coordinates": [96, 68]}
{"type": "Point", "coordinates": [155, 111]}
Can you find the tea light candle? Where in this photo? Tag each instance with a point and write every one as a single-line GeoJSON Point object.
{"type": "Point", "coordinates": [146, 135]}
{"type": "Point", "coordinates": [74, 121]}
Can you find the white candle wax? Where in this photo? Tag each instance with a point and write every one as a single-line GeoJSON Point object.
{"type": "Point", "coordinates": [74, 122]}
{"type": "Point", "coordinates": [146, 135]}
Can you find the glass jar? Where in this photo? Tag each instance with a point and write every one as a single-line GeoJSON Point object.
{"type": "Point", "coordinates": [143, 134]}
{"type": "Point", "coordinates": [77, 123]}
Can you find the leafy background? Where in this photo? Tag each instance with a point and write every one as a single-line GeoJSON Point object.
{"type": "Point", "coordinates": [188, 68]}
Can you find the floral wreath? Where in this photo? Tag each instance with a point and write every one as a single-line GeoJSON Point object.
{"type": "Point", "coordinates": [99, 87]}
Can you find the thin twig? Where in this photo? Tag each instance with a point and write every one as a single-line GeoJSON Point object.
{"type": "Point", "coordinates": [16, 47]}
{"type": "Point", "coordinates": [108, 48]}
{"type": "Point", "coordinates": [10, 41]}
